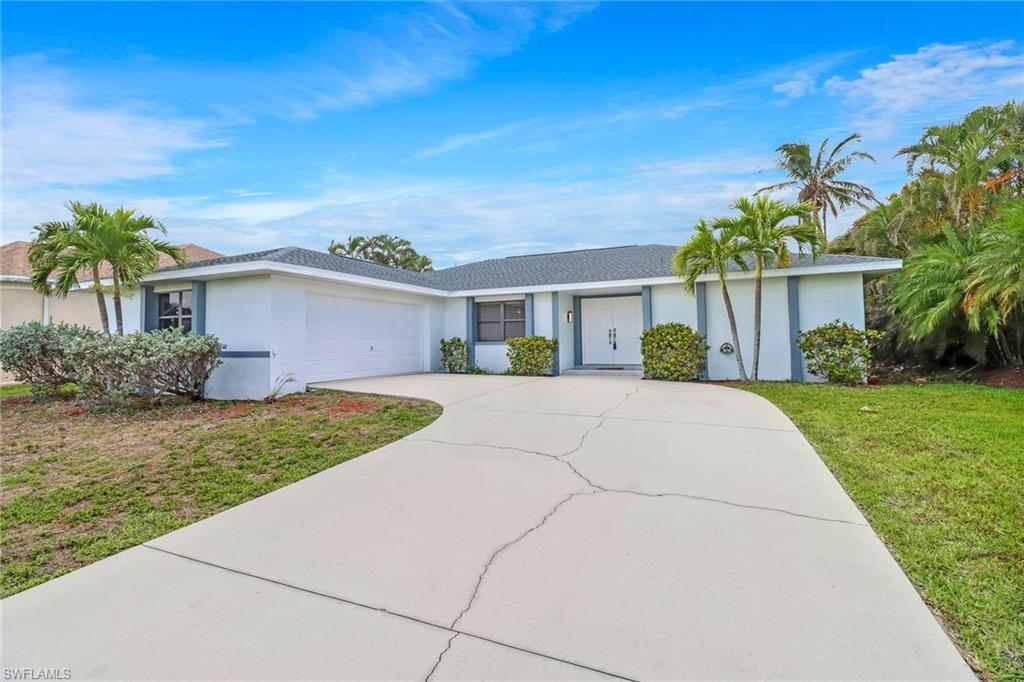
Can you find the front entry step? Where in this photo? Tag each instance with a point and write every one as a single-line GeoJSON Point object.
{"type": "Point", "coordinates": [606, 370]}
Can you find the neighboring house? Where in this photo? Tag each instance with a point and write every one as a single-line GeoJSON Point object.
{"type": "Point", "coordinates": [19, 303]}
{"type": "Point", "coordinates": [311, 316]}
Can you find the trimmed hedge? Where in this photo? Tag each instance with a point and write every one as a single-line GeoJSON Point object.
{"type": "Point", "coordinates": [838, 351]}
{"type": "Point", "coordinates": [532, 355]}
{"type": "Point", "coordinates": [454, 354]}
{"type": "Point", "coordinates": [672, 352]}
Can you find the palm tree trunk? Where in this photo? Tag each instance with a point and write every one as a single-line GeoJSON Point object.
{"type": "Point", "coordinates": [757, 316]}
{"type": "Point", "coordinates": [732, 328]}
{"type": "Point", "coordinates": [117, 304]}
{"type": "Point", "coordinates": [824, 225]}
{"type": "Point", "coordinates": [100, 300]}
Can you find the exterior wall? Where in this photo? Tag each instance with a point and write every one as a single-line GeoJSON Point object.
{"type": "Point", "coordinates": [671, 303]}
{"type": "Point", "coordinates": [492, 356]}
{"type": "Point", "coordinates": [774, 363]}
{"type": "Point", "coordinates": [238, 312]}
{"type": "Point", "coordinates": [542, 314]}
{"type": "Point", "coordinates": [824, 298]}
{"type": "Point", "coordinates": [565, 332]}
{"type": "Point", "coordinates": [18, 304]}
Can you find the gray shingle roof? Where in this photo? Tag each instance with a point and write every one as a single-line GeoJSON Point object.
{"type": "Point", "coordinates": [563, 267]}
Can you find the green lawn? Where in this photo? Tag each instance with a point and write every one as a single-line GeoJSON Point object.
{"type": "Point", "coordinates": [938, 469]}
{"type": "Point", "coordinates": [78, 486]}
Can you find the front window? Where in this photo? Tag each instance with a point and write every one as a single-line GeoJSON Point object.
{"type": "Point", "coordinates": [174, 309]}
{"type": "Point", "coordinates": [500, 320]}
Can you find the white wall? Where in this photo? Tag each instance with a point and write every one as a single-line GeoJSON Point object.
{"type": "Point", "coordinates": [671, 303]}
{"type": "Point", "coordinates": [454, 318]}
{"type": "Point", "coordinates": [491, 356]}
{"type": "Point", "coordinates": [238, 312]}
{"type": "Point", "coordinates": [542, 314]}
{"type": "Point", "coordinates": [774, 363]}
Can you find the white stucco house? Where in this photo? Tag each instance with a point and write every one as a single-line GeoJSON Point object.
{"type": "Point", "coordinates": [312, 316]}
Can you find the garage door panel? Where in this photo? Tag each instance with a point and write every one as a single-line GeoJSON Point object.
{"type": "Point", "coordinates": [348, 338]}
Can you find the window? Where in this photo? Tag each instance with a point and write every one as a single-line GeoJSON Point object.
{"type": "Point", "coordinates": [500, 320]}
{"type": "Point", "coordinates": [174, 309]}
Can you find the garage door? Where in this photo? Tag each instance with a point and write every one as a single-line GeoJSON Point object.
{"type": "Point", "coordinates": [348, 338]}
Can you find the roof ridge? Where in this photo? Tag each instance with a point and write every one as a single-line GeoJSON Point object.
{"type": "Point", "coordinates": [559, 253]}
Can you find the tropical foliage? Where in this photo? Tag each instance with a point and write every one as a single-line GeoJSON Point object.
{"type": "Point", "coordinates": [838, 351]}
{"type": "Point", "coordinates": [818, 178]}
{"type": "Point", "coordinates": [531, 355]}
{"type": "Point", "coordinates": [959, 224]}
{"type": "Point", "coordinates": [383, 249]}
{"type": "Point", "coordinates": [61, 251]}
{"type": "Point", "coordinates": [709, 252]}
{"type": "Point", "coordinates": [673, 352]}
{"type": "Point", "coordinates": [765, 237]}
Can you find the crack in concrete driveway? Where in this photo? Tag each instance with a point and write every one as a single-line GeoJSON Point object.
{"type": "Point", "coordinates": [566, 528]}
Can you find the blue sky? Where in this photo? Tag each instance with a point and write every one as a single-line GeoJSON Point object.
{"type": "Point", "coordinates": [473, 130]}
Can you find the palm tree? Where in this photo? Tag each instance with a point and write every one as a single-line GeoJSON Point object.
{"type": "Point", "coordinates": [711, 251]}
{"type": "Point", "coordinates": [818, 178]}
{"type": "Point", "coordinates": [383, 249]}
{"type": "Point", "coordinates": [997, 273]}
{"type": "Point", "coordinates": [121, 240]}
{"type": "Point", "coordinates": [765, 240]}
{"type": "Point", "coordinates": [53, 240]}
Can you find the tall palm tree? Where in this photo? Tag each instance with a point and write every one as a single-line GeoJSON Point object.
{"type": "Point", "coordinates": [711, 251]}
{"type": "Point", "coordinates": [120, 239]}
{"type": "Point", "coordinates": [765, 239]}
{"type": "Point", "coordinates": [53, 240]}
{"type": "Point", "coordinates": [818, 177]}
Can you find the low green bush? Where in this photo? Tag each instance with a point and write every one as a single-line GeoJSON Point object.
{"type": "Point", "coordinates": [672, 352]}
{"type": "Point", "coordinates": [36, 354]}
{"type": "Point", "coordinates": [838, 351]}
{"type": "Point", "coordinates": [454, 354]}
{"type": "Point", "coordinates": [532, 355]}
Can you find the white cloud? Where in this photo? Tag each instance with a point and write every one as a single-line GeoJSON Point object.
{"type": "Point", "coordinates": [401, 52]}
{"type": "Point", "coordinates": [460, 140]}
{"type": "Point", "coordinates": [938, 80]}
{"type": "Point", "coordinates": [803, 84]}
{"type": "Point", "coordinates": [50, 137]}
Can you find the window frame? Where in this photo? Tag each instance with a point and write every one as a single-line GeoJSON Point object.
{"type": "Point", "coordinates": [179, 317]}
{"type": "Point", "coordinates": [503, 320]}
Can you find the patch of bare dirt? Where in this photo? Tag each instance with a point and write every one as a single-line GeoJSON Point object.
{"type": "Point", "coordinates": [1004, 377]}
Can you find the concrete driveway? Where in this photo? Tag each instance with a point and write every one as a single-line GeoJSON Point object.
{"type": "Point", "coordinates": [569, 528]}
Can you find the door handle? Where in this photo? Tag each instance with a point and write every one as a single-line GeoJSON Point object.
{"type": "Point", "coordinates": [615, 338]}
{"type": "Point", "coordinates": [609, 336]}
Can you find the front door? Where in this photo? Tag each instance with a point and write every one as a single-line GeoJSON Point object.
{"type": "Point", "coordinates": [611, 330]}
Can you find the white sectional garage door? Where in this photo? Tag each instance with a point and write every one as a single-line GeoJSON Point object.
{"type": "Point", "coordinates": [348, 338]}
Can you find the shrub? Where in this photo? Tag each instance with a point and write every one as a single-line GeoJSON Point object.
{"type": "Point", "coordinates": [532, 355]}
{"type": "Point", "coordinates": [838, 351]}
{"type": "Point", "coordinates": [454, 354]}
{"type": "Point", "coordinates": [672, 352]}
{"type": "Point", "coordinates": [109, 368]}
{"type": "Point", "coordinates": [36, 354]}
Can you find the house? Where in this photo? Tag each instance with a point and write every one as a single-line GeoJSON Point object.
{"type": "Point", "coordinates": [310, 316]}
{"type": "Point", "coordinates": [20, 303]}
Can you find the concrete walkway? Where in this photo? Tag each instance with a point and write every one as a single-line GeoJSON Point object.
{"type": "Point", "coordinates": [569, 528]}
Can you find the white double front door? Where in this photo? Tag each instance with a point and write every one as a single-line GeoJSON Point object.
{"type": "Point", "coordinates": [611, 330]}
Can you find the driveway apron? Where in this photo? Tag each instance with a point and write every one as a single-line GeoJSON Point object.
{"type": "Point", "coordinates": [542, 528]}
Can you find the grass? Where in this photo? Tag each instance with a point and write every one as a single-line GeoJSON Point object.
{"type": "Point", "coordinates": [938, 469]}
{"type": "Point", "coordinates": [78, 486]}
